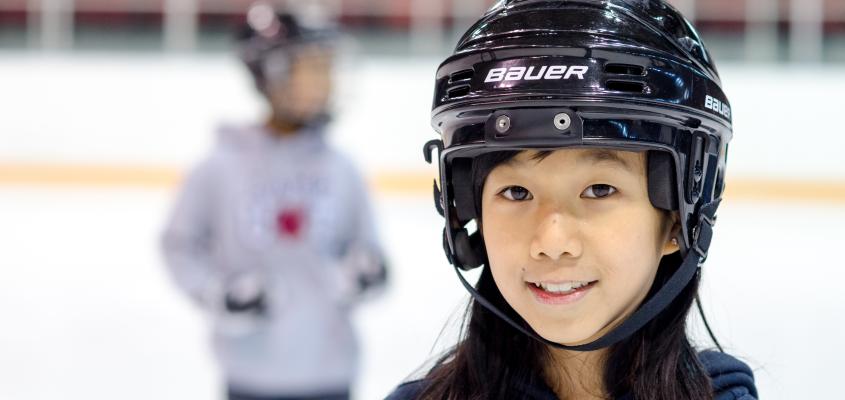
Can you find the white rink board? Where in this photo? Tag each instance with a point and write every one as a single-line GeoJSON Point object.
{"type": "Point", "coordinates": [135, 109]}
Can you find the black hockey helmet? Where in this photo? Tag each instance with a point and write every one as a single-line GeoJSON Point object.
{"type": "Point", "coordinates": [268, 39]}
{"type": "Point", "coordinates": [621, 74]}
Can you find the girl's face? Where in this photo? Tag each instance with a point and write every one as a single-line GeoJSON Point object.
{"type": "Point", "coordinates": [572, 239]}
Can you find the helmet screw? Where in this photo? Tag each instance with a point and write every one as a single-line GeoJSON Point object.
{"type": "Point", "coordinates": [563, 121]}
{"type": "Point", "coordinates": [503, 123]}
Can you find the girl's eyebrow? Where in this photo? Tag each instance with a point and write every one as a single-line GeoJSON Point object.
{"type": "Point", "coordinates": [602, 156]}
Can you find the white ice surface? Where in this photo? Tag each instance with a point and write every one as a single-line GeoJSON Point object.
{"type": "Point", "coordinates": [88, 312]}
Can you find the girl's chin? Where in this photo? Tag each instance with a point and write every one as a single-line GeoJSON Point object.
{"type": "Point", "coordinates": [567, 338]}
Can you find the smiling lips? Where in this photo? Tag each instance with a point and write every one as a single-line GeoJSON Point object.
{"type": "Point", "coordinates": [560, 292]}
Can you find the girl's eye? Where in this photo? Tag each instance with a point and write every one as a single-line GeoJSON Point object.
{"type": "Point", "coordinates": [598, 191]}
{"type": "Point", "coordinates": [516, 193]}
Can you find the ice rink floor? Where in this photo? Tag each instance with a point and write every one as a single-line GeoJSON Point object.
{"type": "Point", "coordinates": [88, 311]}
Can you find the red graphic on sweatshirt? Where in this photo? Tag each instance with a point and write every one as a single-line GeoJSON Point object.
{"type": "Point", "coordinates": [289, 222]}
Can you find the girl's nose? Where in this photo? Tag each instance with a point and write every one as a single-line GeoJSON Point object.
{"type": "Point", "coordinates": [556, 237]}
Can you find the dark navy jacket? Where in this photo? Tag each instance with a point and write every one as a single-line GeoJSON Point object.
{"type": "Point", "coordinates": [732, 380]}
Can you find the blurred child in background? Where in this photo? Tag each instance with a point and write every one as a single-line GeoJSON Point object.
{"type": "Point", "coordinates": [272, 234]}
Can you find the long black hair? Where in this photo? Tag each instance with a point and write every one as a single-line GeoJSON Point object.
{"type": "Point", "coordinates": [495, 361]}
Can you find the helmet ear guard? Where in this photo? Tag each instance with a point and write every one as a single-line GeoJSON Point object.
{"type": "Point", "coordinates": [466, 250]}
{"type": "Point", "coordinates": [661, 181]}
{"type": "Point", "coordinates": [470, 252]}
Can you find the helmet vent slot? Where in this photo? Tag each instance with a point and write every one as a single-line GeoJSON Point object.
{"type": "Point", "coordinates": [459, 91]}
{"type": "Point", "coordinates": [624, 69]}
{"type": "Point", "coordinates": [460, 76]}
{"type": "Point", "coordinates": [626, 86]}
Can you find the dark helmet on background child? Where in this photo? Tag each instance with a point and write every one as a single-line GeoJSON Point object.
{"type": "Point", "coordinates": [621, 74]}
{"type": "Point", "coordinates": [289, 56]}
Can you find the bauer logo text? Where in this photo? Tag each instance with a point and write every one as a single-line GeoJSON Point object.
{"type": "Point", "coordinates": [718, 106]}
{"type": "Point", "coordinates": [536, 73]}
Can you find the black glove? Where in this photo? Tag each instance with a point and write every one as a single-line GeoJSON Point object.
{"type": "Point", "coordinates": [255, 304]}
{"type": "Point", "coordinates": [372, 279]}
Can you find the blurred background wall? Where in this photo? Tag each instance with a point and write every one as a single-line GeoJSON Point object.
{"type": "Point", "coordinates": [105, 103]}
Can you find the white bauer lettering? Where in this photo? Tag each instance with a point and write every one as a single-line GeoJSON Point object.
{"type": "Point", "coordinates": [578, 70]}
{"type": "Point", "coordinates": [556, 72]}
{"type": "Point", "coordinates": [716, 105]}
{"type": "Point", "coordinates": [545, 72]}
{"type": "Point", "coordinates": [515, 74]}
{"type": "Point", "coordinates": [530, 77]}
{"type": "Point", "coordinates": [496, 75]}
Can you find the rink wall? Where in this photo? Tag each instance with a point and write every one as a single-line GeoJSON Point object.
{"type": "Point", "coordinates": [135, 120]}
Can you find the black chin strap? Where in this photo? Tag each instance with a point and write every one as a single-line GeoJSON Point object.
{"type": "Point", "coordinates": [648, 310]}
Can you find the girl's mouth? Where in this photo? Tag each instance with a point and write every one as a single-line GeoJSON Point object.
{"type": "Point", "coordinates": [560, 293]}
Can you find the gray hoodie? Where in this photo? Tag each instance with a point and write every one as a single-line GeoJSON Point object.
{"type": "Point", "coordinates": [292, 216]}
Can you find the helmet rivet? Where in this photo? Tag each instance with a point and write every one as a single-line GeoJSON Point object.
{"type": "Point", "coordinates": [503, 123]}
{"type": "Point", "coordinates": [563, 121]}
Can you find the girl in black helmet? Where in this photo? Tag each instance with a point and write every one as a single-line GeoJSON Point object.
{"type": "Point", "coordinates": [582, 157]}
